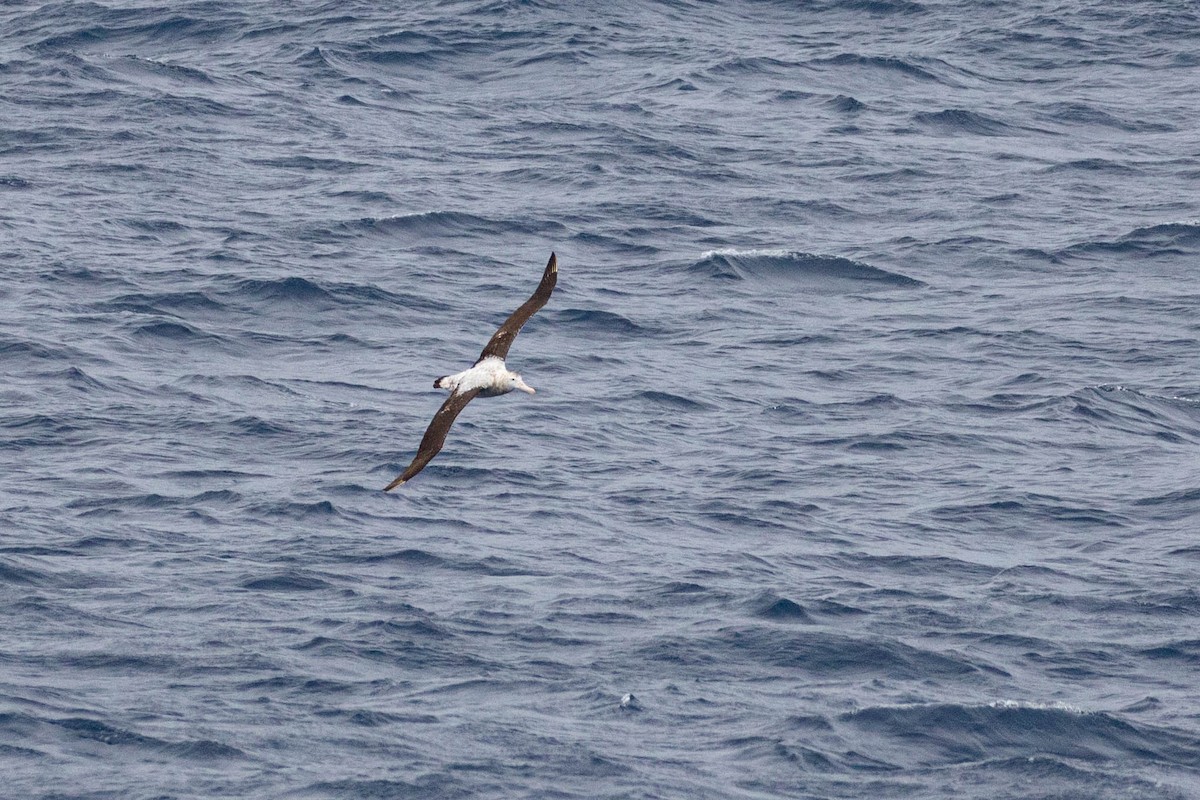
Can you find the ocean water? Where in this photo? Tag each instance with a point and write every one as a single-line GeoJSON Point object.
{"type": "Point", "coordinates": [865, 458]}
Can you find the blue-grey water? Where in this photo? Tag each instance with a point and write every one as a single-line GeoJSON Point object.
{"type": "Point", "coordinates": [865, 448]}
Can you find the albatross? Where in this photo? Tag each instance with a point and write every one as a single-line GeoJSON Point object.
{"type": "Point", "coordinates": [487, 377]}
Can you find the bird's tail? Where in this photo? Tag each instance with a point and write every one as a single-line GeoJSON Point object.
{"type": "Point", "coordinates": [442, 383]}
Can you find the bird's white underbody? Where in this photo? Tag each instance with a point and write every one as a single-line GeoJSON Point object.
{"type": "Point", "coordinates": [488, 375]}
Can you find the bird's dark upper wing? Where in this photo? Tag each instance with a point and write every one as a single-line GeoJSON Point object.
{"type": "Point", "coordinates": [503, 338]}
{"type": "Point", "coordinates": [435, 435]}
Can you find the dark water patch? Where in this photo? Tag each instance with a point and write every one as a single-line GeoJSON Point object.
{"type": "Point", "coordinates": [317, 510]}
{"type": "Point", "coordinates": [78, 380]}
{"type": "Point", "coordinates": [601, 619]}
{"type": "Point", "coordinates": [402, 60]}
{"type": "Point", "coordinates": [88, 543]}
{"type": "Point", "coordinates": [1170, 239]}
{"type": "Point", "coordinates": [251, 425]}
{"type": "Point", "coordinates": [1006, 403]}
{"type": "Point", "coordinates": [440, 786]}
{"type": "Point", "coordinates": [1006, 640]}
{"type": "Point", "coordinates": [158, 228]}
{"type": "Point", "coordinates": [449, 225]}
{"type": "Point", "coordinates": [1178, 505]}
{"type": "Point", "coordinates": [1015, 513]}
{"type": "Point", "coordinates": [845, 104]}
{"type": "Point", "coordinates": [364, 195]}
{"type": "Point", "coordinates": [121, 663]}
{"type": "Point", "coordinates": [12, 575]}
{"type": "Point", "coordinates": [357, 294]}
{"type": "Point", "coordinates": [204, 474]}
{"type": "Point", "coordinates": [172, 331]}
{"type": "Point", "coordinates": [792, 95]}
{"type": "Point", "coordinates": [1185, 651]}
{"type": "Point", "coordinates": [772, 607]}
{"type": "Point", "coordinates": [29, 429]}
{"type": "Point", "coordinates": [369, 718]}
{"type": "Point", "coordinates": [162, 303]}
{"type": "Point", "coordinates": [771, 749]}
{"type": "Point", "coordinates": [282, 291]}
{"type": "Point", "coordinates": [26, 349]}
{"type": "Point", "coordinates": [954, 121]}
{"type": "Point", "coordinates": [801, 268]}
{"type": "Point", "coordinates": [143, 68]}
{"type": "Point", "coordinates": [676, 85]}
{"type": "Point", "coordinates": [929, 566]}
{"type": "Point", "coordinates": [1077, 115]}
{"type": "Point", "coordinates": [497, 566]}
{"type": "Point", "coordinates": [952, 734]}
{"type": "Point", "coordinates": [888, 64]}
{"type": "Point", "coordinates": [161, 27]}
{"type": "Point", "coordinates": [883, 443]}
{"type": "Point", "coordinates": [406, 40]}
{"type": "Point", "coordinates": [672, 402]}
{"type": "Point", "coordinates": [881, 7]}
{"type": "Point", "coordinates": [782, 339]}
{"type": "Point", "coordinates": [184, 106]}
{"type": "Point", "coordinates": [291, 581]}
{"type": "Point", "coordinates": [1130, 411]}
{"type": "Point", "coordinates": [103, 733]}
{"type": "Point", "coordinates": [818, 653]}
{"type": "Point", "coordinates": [679, 594]}
{"type": "Point", "coordinates": [667, 211]}
{"type": "Point", "coordinates": [420, 628]}
{"type": "Point", "coordinates": [753, 65]}
{"type": "Point", "coordinates": [153, 501]}
{"type": "Point", "coordinates": [410, 556]}
{"type": "Point", "coordinates": [310, 164]}
{"type": "Point", "coordinates": [559, 58]}
{"type": "Point", "coordinates": [423, 559]}
{"type": "Point", "coordinates": [1186, 496]}
{"type": "Point", "coordinates": [399, 652]}
{"type": "Point", "coordinates": [12, 751]}
{"type": "Point", "coordinates": [1103, 165]}
{"type": "Point", "coordinates": [594, 320]}
{"type": "Point", "coordinates": [616, 244]}
{"type": "Point", "coordinates": [241, 385]}
{"type": "Point", "coordinates": [13, 182]}
{"type": "Point", "coordinates": [792, 208]}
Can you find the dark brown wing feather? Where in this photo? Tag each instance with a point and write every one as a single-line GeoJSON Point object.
{"type": "Point", "coordinates": [435, 435]}
{"type": "Point", "coordinates": [503, 338]}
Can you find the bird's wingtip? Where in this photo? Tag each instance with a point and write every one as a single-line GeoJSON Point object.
{"type": "Point", "coordinates": [552, 264]}
{"type": "Point", "coordinates": [394, 484]}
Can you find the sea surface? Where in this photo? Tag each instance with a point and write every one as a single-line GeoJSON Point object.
{"type": "Point", "coordinates": [865, 455]}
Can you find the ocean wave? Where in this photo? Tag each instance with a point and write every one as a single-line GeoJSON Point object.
{"type": "Point", "coordinates": [1132, 411]}
{"type": "Point", "coordinates": [1172, 238]}
{"type": "Point", "coordinates": [173, 331]}
{"type": "Point", "coordinates": [890, 64]}
{"type": "Point", "coordinates": [595, 320]}
{"type": "Point", "coordinates": [816, 653]}
{"type": "Point", "coordinates": [162, 303]}
{"type": "Point", "coordinates": [951, 733]}
{"type": "Point", "coordinates": [291, 581]}
{"type": "Point", "coordinates": [75, 733]}
{"type": "Point", "coordinates": [787, 265]}
{"type": "Point", "coordinates": [772, 607]}
{"type": "Point", "coordinates": [957, 120]}
{"type": "Point", "coordinates": [434, 224]}
{"type": "Point", "coordinates": [674, 402]}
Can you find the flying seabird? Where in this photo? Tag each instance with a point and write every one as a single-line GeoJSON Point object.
{"type": "Point", "coordinates": [487, 377]}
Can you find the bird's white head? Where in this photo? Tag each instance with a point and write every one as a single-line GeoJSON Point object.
{"type": "Point", "coordinates": [515, 382]}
